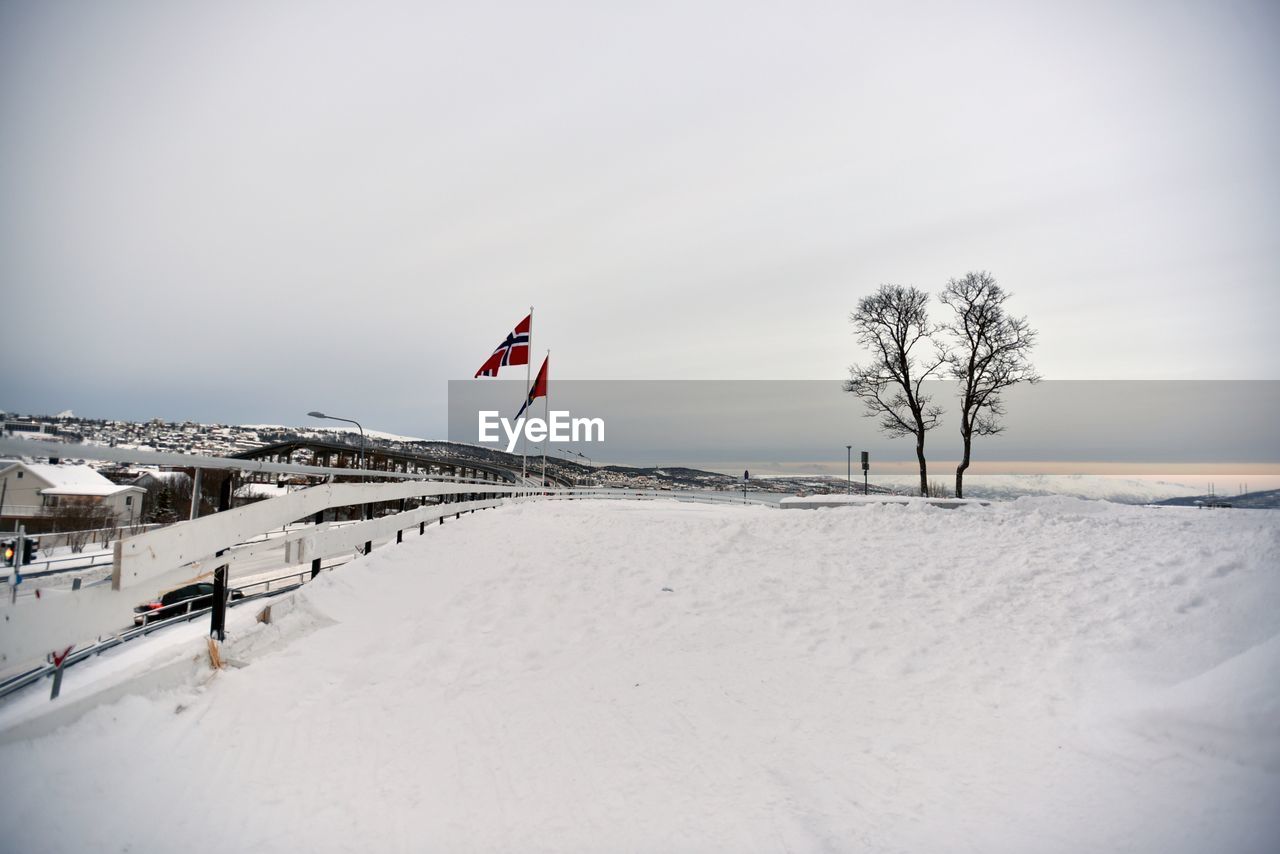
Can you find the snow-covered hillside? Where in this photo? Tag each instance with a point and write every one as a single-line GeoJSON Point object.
{"type": "Point", "coordinates": [1047, 675]}
{"type": "Point", "coordinates": [319, 432]}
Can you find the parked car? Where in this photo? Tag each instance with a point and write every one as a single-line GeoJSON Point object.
{"type": "Point", "coordinates": [192, 597]}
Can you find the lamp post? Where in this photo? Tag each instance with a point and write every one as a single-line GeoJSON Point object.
{"type": "Point", "coordinates": [590, 463]}
{"type": "Point", "coordinates": [848, 471]}
{"type": "Point", "coordinates": [315, 414]}
{"type": "Point", "coordinates": [364, 508]}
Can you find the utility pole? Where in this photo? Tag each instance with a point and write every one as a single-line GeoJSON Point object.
{"type": "Point", "coordinates": [848, 472]}
{"type": "Point", "coordinates": [196, 486]}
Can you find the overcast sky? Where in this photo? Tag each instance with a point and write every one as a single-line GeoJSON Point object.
{"type": "Point", "coordinates": [242, 211]}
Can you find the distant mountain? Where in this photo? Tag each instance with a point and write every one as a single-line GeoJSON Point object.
{"type": "Point", "coordinates": [1268, 499]}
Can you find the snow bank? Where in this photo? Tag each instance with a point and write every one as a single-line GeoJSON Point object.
{"type": "Point", "coordinates": [1043, 676]}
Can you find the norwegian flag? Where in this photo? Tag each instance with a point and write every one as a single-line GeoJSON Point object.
{"type": "Point", "coordinates": [513, 351]}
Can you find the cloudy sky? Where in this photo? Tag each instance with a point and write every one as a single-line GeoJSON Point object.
{"type": "Point", "coordinates": [243, 211]}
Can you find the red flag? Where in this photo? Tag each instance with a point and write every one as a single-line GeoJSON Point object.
{"type": "Point", "coordinates": [514, 350]}
{"type": "Point", "coordinates": [539, 386]}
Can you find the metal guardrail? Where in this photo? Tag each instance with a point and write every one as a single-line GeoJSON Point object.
{"type": "Point", "coordinates": [19, 681]}
{"type": "Point", "coordinates": [42, 573]}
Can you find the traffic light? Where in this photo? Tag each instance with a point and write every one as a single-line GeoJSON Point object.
{"type": "Point", "coordinates": [9, 547]}
{"type": "Point", "coordinates": [28, 551]}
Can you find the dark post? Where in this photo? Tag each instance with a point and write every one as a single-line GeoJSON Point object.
{"type": "Point", "coordinates": [218, 625]}
{"type": "Point", "coordinates": [315, 562]}
{"type": "Point", "coordinates": [866, 464]}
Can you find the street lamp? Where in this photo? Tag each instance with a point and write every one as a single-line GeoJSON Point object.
{"type": "Point", "coordinates": [590, 463]}
{"type": "Point", "coordinates": [848, 472]}
{"type": "Point", "coordinates": [315, 414]}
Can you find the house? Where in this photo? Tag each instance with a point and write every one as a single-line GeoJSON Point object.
{"type": "Point", "coordinates": [168, 494]}
{"type": "Point", "coordinates": [31, 492]}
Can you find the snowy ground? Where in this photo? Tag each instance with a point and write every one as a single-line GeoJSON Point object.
{"type": "Point", "coordinates": [1048, 675]}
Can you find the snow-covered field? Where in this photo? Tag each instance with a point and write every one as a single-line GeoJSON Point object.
{"type": "Point", "coordinates": [1046, 675]}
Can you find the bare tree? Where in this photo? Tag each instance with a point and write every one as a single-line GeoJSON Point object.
{"type": "Point", "coordinates": [892, 323]}
{"type": "Point", "coordinates": [991, 354]}
{"type": "Point", "coordinates": [80, 519]}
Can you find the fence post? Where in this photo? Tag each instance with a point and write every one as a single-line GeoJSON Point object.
{"type": "Point", "coordinates": [315, 562]}
{"type": "Point", "coordinates": [117, 555]}
{"type": "Point", "coordinates": [218, 623]}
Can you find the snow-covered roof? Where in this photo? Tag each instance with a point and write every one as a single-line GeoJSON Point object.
{"type": "Point", "coordinates": [73, 480]}
{"type": "Point", "coordinates": [158, 476]}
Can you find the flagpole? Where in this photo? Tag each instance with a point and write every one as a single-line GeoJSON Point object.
{"type": "Point", "coordinates": [546, 411]}
{"type": "Point", "coordinates": [528, 384]}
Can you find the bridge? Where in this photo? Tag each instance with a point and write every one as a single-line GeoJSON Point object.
{"type": "Point", "coordinates": [330, 454]}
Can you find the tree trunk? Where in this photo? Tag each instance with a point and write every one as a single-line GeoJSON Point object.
{"type": "Point", "coordinates": [924, 469]}
{"type": "Point", "coordinates": [964, 464]}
